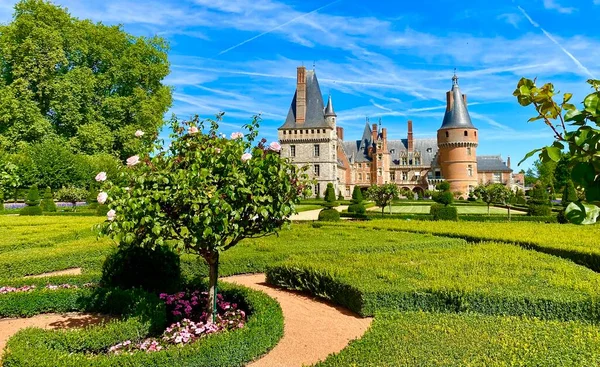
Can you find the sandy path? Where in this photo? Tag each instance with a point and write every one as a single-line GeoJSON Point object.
{"type": "Point", "coordinates": [72, 271]}
{"type": "Point", "coordinates": [8, 327]}
{"type": "Point", "coordinates": [313, 328]}
{"type": "Point", "coordinates": [314, 214]}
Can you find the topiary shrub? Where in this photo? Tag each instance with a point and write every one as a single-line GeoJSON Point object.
{"type": "Point", "coordinates": [33, 202]}
{"type": "Point", "coordinates": [539, 204]}
{"type": "Point", "coordinates": [442, 212]}
{"type": "Point", "coordinates": [357, 208]}
{"type": "Point", "coordinates": [155, 270]}
{"type": "Point", "coordinates": [48, 204]}
{"type": "Point", "coordinates": [329, 215]}
{"type": "Point", "coordinates": [357, 199]}
{"type": "Point", "coordinates": [330, 196]}
{"type": "Point", "coordinates": [340, 196]}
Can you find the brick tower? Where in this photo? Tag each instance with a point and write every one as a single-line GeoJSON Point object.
{"type": "Point", "coordinates": [457, 143]}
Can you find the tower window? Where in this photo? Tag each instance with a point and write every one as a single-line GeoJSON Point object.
{"type": "Point", "coordinates": [417, 161]}
{"type": "Point", "coordinates": [475, 133]}
{"type": "Point", "coordinates": [404, 176]}
{"type": "Point", "coordinates": [392, 176]}
{"type": "Point", "coordinates": [360, 176]}
{"type": "Point", "coordinates": [447, 134]}
{"type": "Point", "coordinates": [317, 150]}
{"type": "Point", "coordinates": [317, 170]}
{"type": "Point", "coordinates": [470, 170]}
{"type": "Point", "coordinates": [466, 133]}
{"type": "Point", "coordinates": [468, 150]}
{"type": "Point", "coordinates": [284, 132]}
{"type": "Point", "coordinates": [292, 150]}
{"type": "Point", "coordinates": [404, 161]}
{"type": "Point", "coordinates": [380, 156]}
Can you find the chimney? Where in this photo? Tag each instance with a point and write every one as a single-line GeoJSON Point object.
{"type": "Point", "coordinates": [410, 136]}
{"type": "Point", "coordinates": [374, 133]}
{"type": "Point", "coordinates": [384, 134]}
{"type": "Point", "coordinates": [508, 161]}
{"type": "Point", "coordinates": [449, 101]}
{"type": "Point", "coordinates": [340, 133]}
{"type": "Point", "coordinates": [464, 98]}
{"type": "Point", "coordinates": [301, 95]}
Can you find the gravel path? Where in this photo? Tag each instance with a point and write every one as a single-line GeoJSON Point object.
{"type": "Point", "coordinates": [313, 328]}
{"type": "Point", "coordinates": [314, 214]}
{"type": "Point", "coordinates": [72, 271]}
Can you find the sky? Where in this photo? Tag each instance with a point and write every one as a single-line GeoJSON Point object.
{"type": "Point", "coordinates": [388, 60]}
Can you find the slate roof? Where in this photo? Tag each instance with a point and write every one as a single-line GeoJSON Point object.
{"type": "Point", "coordinates": [329, 109]}
{"type": "Point", "coordinates": [315, 115]}
{"type": "Point", "coordinates": [491, 163]}
{"type": "Point", "coordinates": [356, 150]}
{"type": "Point", "coordinates": [457, 116]}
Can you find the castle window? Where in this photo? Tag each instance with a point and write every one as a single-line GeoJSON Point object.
{"type": "Point", "coordinates": [379, 172]}
{"type": "Point", "coordinates": [292, 150]}
{"type": "Point", "coordinates": [380, 156]}
{"type": "Point", "coordinates": [360, 165]}
{"type": "Point", "coordinates": [317, 189]}
{"type": "Point", "coordinates": [392, 151]}
{"type": "Point", "coordinates": [284, 132]}
{"type": "Point", "coordinates": [404, 176]}
{"type": "Point", "coordinates": [429, 150]}
{"type": "Point", "coordinates": [470, 170]}
{"type": "Point", "coordinates": [437, 173]}
{"type": "Point", "coordinates": [404, 161]}
{"type": "Point", "coordinates": [295, 132]}
{"type": "Point", "coordinates": [317, 170]}
{"type": "Point", "coordinates": [368, 177]}
{"type": "Point", "coordinates": [317, 150]}
{"type": "Point", "coordinates": [312, 131]}
{"type": "Point", "coordinates": [447, 134]}
{"type": "Point", "coordinates": [360, 176]}
{"type": "Point", "coordinates": [468, 150]}
{"type": "Point", "coordinates": [392, 176]}
{"type": "Point", "coordinates": [497, 177]}
{"type": "Point", "coordinates": [475, 133]}
{"type": "Point", "coordinates": [417, 161]}
{"type": "Point", "coordinates": [466, 133]}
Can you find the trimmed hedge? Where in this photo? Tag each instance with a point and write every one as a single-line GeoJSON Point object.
{"type": "Point", "coordinates": [31, 210]}
{"type": "Point", "coordinates": [329, 215]}
{"type": "Point", "coordinates": [357, 208]}
{"type": "Point", "coordinates": [443, 212]}
{"type": "Point", "coordinates": [86, 347]}
{"type": "Point", "coordinates": [433, 339]}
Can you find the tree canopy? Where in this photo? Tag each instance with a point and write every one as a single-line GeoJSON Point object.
{"type": "Point", "coordinates": [85, 82]}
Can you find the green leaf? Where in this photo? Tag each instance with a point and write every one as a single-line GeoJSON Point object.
{"type": "Point", "coordinates": [580, 213]}
{"type": "Point", "coordinates": [592, 104]}
{"type": "Point", "coordinates": [567, 97]}
{"type": "Point", "coordinates": [528, 155]}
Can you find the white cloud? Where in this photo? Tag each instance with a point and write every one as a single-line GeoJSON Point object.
{"type": "Point", "coordinates": [511, 18]}
{"type": "Point", "coordinates": [554, 5]}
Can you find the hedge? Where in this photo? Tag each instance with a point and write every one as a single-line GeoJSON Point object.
{"type": "Point", "coordinates": [86, 347]}
{"type": "Point", "coordinates": [329, 215]}
{"type": "Point", "coordinates": [434, 339]}
{"type": "Point", "coordinates": [443, 212]}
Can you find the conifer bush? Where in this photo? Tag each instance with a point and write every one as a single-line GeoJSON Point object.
{"type": "Point", "coordinates": [32, 202]}
{"type": "Point", "coordinates": [569, 196]}
{"type": "Point", "coordinates": [48, 204]}
{"type": "Point", "coordinates": [329, 214]}
{"type": "Point", "coordinates": [539, 203]}
{"type": "Point", "coordinates": [357, 205]}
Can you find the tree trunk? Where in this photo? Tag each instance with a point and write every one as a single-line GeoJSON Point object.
{"type": "Point", "coordinates": [488, 209]}
{"type": "Point", "coordinates": [508, 212]}
{"type": "Point", "coordinates": [213, 275]}
{"type": "Point", "coordinates": [382, 209]}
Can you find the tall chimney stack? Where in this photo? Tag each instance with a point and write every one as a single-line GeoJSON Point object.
{"type": "Point", "coordinates": [374, 133]}
{"type": "Point", "coordinates": [410, 136]}
{"type": "Point", "coordinates": [301, 95]}
{"type": "Point", "coordinates": [508, 161]}
{"type": "Point", "coordinates": [340, 133]}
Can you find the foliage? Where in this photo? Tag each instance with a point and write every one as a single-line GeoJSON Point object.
{"type": "Point", "coordinates": [204, 194]}
{"type": "Point", "coordinates": [329, 215]}
{"type": "Point", "coordinates": [582, 140]}
{"type": "Point", "coordinates": [493, 193]}
{"type": "Point", "coordinates": [539, 202]}
{"type": "Point", "coordinates": [32, 202]}
{"type": "Point", "coordinates": [356, 208]}
{"type": "Point", "coordinates": [85, 82]}
{"type": "Point", "coordinates": [357, 196]}
{"type": "Point", "coordinates": [520, 197]}
{"type": "Point", "coordinates": [382, 195]}
{"type": "Point", "coordinates": [443, 195]}
{"type": "Point", "coordinates": [48, 204]}
{"type": "Point", "coordinates": [330, 196]}
{"type": "Point", "coordinates": [443, 212]}
{"type": "Point", "coordinates": [71, 195]}
{"type": "Point", "coordinates": [9, 178]}
{"type": "Point", "coordinates": [569, 194]}
{"type": "Point", "coordinates": [402, 339]}
{"type": "Point", "coordinates": [154, 270]}
{"type": "Point", "coordinates": [340, 196]}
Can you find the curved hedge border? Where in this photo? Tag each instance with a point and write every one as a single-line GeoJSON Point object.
{"type": "Point", "coordinates": [366, 303]}
{"type": "Point", "coordinates": [146, 315]}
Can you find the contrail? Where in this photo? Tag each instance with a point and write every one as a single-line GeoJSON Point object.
{"type": "Point", "coordinates": [276, 28]}
{"type": "Point", "coordinates": [551, 38]}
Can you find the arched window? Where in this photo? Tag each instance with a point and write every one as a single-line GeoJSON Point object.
{"type": "Point", "coordinates": [466, 133]}
{"type": "Point", "coordinates": [475, 133]}
{"type": "Point", "coordinates": [447, 135]}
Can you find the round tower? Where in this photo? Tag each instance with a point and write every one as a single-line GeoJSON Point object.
{"type": "Point", "coordinates": [329, 113]}
{"type": "Point", "coordinates": [457, 143]}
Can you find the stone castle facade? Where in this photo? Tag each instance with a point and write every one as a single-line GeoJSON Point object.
{"type": "Point", "coordinates": [310, 136]}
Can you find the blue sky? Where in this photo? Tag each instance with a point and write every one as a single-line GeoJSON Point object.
{"type": "Point", "coordinates": [388, 60]}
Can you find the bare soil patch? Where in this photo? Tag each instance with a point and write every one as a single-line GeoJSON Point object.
{"type": "Point", "coordinates": [72, 271]}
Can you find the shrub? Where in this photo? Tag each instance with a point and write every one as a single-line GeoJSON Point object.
{"type": "Point", "coordinates": [442, 212]}
{"type": "Point", "coordinates": [71, 195]}
{"type": "Point", "coordinates": [357, 208]}
{"type": "Point", "coordinates": [33, 202]}
{"type": "Point", "coordinates": [48, 204]}
{"type": "Point", "coordinates": [340, 196]}
{"type": "Point", "coordinates": [330, 196]}
{"type": "Point", "coordinates": [102, 209]}
{"type": "Point", "coordinates": [92, 197]}
{"type": "Point", "coordinates": [357, 196]}
{"type": "Point", "coordinates": [155, 270]}
{"type": "Point", "coordinates": [329, 215]}
{"type": "Point", "coordinates": [539, 204]}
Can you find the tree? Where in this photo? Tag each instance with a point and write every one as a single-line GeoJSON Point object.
{"type": "Point", "coordinates": [204, 194]}
{"type": "Point", "coordinates": [581, 141]}
{"type": "Point", "coordinates": [329, 214]}
{"type": "Point", "coordinates": [492, 193]}
{"type": "Point", "coordinates": [443, 195]}
{"type": "Point", "coordinates": [539, 202]}
{"type": "Point", "coordinates": [330, 196]}
{"type": "Point", "coordinates": [520, 197]}
{"type": "Point", "coordinates": [71, 195]}
{"type": "Point", "coordinates": [8, 180]}
{"type": "Point", "coordinates": [569, 194]}
{"type": "Point", "coordinates": [530, 177]}
{"type": "Point", "coordinates": [382, 195]}
{"type": "Point", "coordinates": [32, 202]}
{"type": "Point", "coordinates": [357, 202]}
{"type": "Point", "coordinates": [88, 83]}
{"type": "Point", "coordinates": [47, 203]}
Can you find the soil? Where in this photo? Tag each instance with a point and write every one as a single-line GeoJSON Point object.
{"type": "Point", "coordinates": [313, 328]}
{"type": "Point", "coordinates": [8, 327]}
{"type": "Point", "coordinates": [72, 271]}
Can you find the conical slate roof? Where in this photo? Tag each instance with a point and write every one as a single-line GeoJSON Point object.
{"type": "Point", "coordinates": [457, 115]}
{"type": "Point", "coordinates": [315, 116]}
{"type": "Point", "coordinates": [329, 109]}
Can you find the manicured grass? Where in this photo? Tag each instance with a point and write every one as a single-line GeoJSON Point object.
{"type": "Point", "coordinates": [432, 339]}
{"type": "Point", "coordinates": [462, 209]}
{"type": "Point", "coordinates": [304, 208]}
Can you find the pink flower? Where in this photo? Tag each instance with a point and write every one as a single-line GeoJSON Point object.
{"type": "Point", "coordinates": [192, 130]}
{"type": "Point", "coordinates": [246, 157]}
{"type": "Point", "coordinates": [139, 133]}
{"type": "Point", "coordinates": [217, 150]}
{"type": "Point", "coordinates": [111, 215]}
{"type": "Point", "coordinates": [102, 197]}
{"type": "Point", "coordinates": [132, 161]}
{"type": "Point", "coordinates": [237, 135]}
{"type": "Point", "coordinates": [275, 146]}
{"type": "Point", "coordinates": [101, 177]}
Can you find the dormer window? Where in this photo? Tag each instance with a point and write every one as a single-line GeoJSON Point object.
{"type": "Point", "coordinates": [429, 150]}
{"type": "Point", "coordinates": [392, 151]}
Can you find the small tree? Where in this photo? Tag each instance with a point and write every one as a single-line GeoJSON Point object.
{"type": "Point", "coordinates": [203, 195]}
{"type": "Point", "coordinates": [32, 202]}
{"type": "Point", "coordinates": [48, 204]}
{"type": "Point", "coordinates": [443, 195]}
{"type": "Point", "coordinates": [492, 193]}
{"type": "Point", "coordinates": [382, 195]}
{"type": "Point", "coordinates": [539, 203]}
{"type": "Point", "coordinates": [357, 202]}
{"type": "Point", "coordinates": [340, 196]}
{"type": "Point", "coordinates": [330, 196]}
{"type": "Point", "coordinates": [71, 195]}
{"type": "Point", "coordinates": [329, 214]}
{"type": "Point", "coordinates": [9, 179]}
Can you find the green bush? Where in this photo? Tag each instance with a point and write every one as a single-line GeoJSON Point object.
{"type": "Point", "coordinates": [86, 347]}
{"type": "Point", "coordinates": [92, 197]}
{"type": "Point", "coordinates": [442, 212]}
{"type": "Point", "coordinates": [48, 204]}
{"type": "Point", "coordinates": [357, 208]}
{"type": "Point", "coordinates": [329, 215]}
{"type": "Point", "coordinates": [154, 270]}
{"type": "Point", "coordinates": [1, 200]}
{"type": "Point", "coordinates": [31, 210]}
{"type": "Point", "coordinates": [33, 196]}
{"type": "Point", "coordinates": [357, 196]}
{"type": "Point", "coordinates": [102, 209]}
{"type": "Point", "coordinates": [330, 196]}
{"type": "Point", "coordinates": [539, 210]}
{"type": "Point", "coordinates": [340, 196]}
{"type": "Point", "coordinates": [539, 203]}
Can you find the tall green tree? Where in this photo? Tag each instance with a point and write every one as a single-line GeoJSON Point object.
{"type": "Point", "coordinates": [382, 195]}
{"type": "Point", "coordinates": [89, 83]}
{"type": "Point", "coordinates": [492, 193]}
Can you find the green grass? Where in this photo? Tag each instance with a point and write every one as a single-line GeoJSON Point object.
{"type": "Point", "coordinates": [303, 208]}
{"type": "Point", "coordinates": [462, 209]}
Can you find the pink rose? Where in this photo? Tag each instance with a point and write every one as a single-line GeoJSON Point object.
{"type": "Point", "coordinates": [111, 215]}
{"type": "Point", "coordinates": [102, 197]}
{"type": "Point", "coordinates": [235, 136]}
{"type": "Point", "coordinates": [275, 146]}
{"type": "Point", "coordinates": [101, 176]}
{"type": "Point", "coordinates": [132, 161]}
{"type": "Point", "coordinates": [192, 130]}
{"type": "Point", "coordinates": [139, 133]}
{"type": "Point", "coordinates": [246, 157]}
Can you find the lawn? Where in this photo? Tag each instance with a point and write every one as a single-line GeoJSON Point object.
{"type": "Point", "coordinates": [474, 209]}
{"type": "Point", "coordinates": [436, 300]}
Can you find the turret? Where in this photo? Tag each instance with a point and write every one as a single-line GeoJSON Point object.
{"type": "Point", "coordinates": [330, 115]}
{"type": "Point", "coordinates": [457, 142]}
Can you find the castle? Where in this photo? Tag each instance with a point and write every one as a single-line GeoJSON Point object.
{"type": "Point", "coordinates": [310, 136]}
